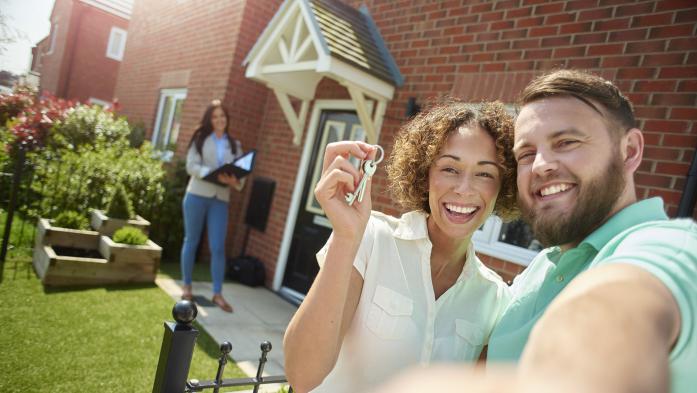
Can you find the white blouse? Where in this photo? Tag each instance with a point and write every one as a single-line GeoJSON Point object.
{"type": "Point", "coordinates": [398, 322]}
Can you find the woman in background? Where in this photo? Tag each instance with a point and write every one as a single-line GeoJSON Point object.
{"type": "Point", "coordinates": [206, 202]}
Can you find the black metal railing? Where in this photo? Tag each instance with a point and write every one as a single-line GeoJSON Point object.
{"type": "Point", "coordinates": [177, 351]}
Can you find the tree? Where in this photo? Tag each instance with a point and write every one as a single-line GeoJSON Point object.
{"type": "Point", "coordinates": [8, 34]}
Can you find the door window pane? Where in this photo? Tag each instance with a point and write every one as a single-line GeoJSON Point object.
{"type": "Point", "coordinates": [333, 132]}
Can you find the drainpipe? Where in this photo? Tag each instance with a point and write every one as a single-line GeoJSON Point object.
{"type": "Point", "coordinates": [689, 193]}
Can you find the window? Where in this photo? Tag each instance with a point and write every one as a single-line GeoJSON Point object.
{"type": "Point", "coordinates": [54, 33]}
{"type": "Point", "coordinates": [97, 101]}
{"type": "Point", "coordinates": [168, 121]}
{"type": "Point", "coordinates": [117, 44]}
{"type": "Point", "coordinates": [512, 241]}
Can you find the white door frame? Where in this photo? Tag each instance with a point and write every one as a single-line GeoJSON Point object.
{"type": "Point", "coordinates": [318, 107]}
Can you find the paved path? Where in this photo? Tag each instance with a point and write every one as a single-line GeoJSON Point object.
{"type": "Point", "coordinates": [259, 315]}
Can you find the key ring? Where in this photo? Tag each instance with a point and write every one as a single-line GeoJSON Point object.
{"type": "Point", "coordinates": [368, 167]}
{"type": "Point", "coordinates": [382, 155]}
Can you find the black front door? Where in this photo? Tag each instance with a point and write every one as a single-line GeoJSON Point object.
{"type": "Point", "coordinates": [312, 228]}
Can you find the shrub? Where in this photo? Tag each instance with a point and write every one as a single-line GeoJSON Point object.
{"type": "Point", "coordinates": [6, 139]}
{"type": "Point", "coordinates": [31, 125]}
{"type": "Point", "coordinates": [167, 223]}
{"type": "Point", "coordinates": [13, 104]}
{"type": "Point", "coordinates": [71, 219]}
{"type": "Point", "coordinates": [130, 235]}
{"type": "Point", "coordinates": [137, 135]}
{"type": "Point", "coordinates": [77, 156]}
{"type": "Point", "coordinates": [85, 179]}
{"type": "Point", "coordinates": [88, 125]}
{"type": "Point", "coordinates": [120, 205]}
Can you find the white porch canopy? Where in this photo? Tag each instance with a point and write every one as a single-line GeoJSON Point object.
{"type": "Point", "coordinates": [310, 39]}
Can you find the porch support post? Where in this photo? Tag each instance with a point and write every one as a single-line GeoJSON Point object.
{"type": "Point", "coordinates": [371, 124]}
{"type": "Point", "coordinates": [295, 120]}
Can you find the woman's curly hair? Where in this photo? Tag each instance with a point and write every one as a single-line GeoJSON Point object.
{"type": "Point", "coordinates": [420, 140]}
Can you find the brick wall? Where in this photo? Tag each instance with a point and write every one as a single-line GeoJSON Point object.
{"type": "Point", "coordinates": [52, 67]}
{"type": "Point", "coordinates": [78, 68]}
{"type": "Point", "coordinates": [91, 74]}
{"type": "Point", "coordinates": [177, 45]}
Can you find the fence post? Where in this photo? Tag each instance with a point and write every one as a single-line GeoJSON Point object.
{"type": "Point", "coordinates": [11, 206]}
{"type": "Point", "coordinates": [177, 350]}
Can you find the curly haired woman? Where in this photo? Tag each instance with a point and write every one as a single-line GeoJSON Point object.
{"type": "Point", "coordinates": [395, 292]}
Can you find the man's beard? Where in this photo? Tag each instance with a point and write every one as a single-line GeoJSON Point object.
{"type": "Point", "coordinates": [595, 200]}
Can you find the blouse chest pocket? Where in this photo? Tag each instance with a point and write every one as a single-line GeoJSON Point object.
{"type": "Point", "coordinates": [389, 314]}
{"type": "Point", "coordinates": [469, 339]}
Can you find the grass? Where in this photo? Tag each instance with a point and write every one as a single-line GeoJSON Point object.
{"type": "Point", "coordinates": [78, 339]}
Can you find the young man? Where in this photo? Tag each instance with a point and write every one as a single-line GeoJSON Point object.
{"type": "Point", "coordinates": [611, 306]}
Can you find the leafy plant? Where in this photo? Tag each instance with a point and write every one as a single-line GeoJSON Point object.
{"type": "Point", "coordinates": [31, 125]}
{"type": "Point", "coordinates": [167, 224]}
{"type": "Point", "coordinates": [137, 135]}
{"type": "Point", "coordinates": [130, 235]}
{"type": "Point", "coordinates": [120, 205]}
{"type": "Point", "coordinates": [71, 219]}
{"type": "Point", "coordinates": [6, 139]}
{"type": "Point", "coordinates": [86, 179]}
{"type": "Point", "coordinates": [13, 104]}
{"type": "Point", "coordinates": [88, 125]}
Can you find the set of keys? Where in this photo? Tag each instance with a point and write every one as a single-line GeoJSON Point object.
{"type": "Point", "coordinates": [369, 167]}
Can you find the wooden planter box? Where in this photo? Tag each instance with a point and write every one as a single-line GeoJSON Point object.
{"type": "Point", "coordinates": [106, 225]}
{"type": "Point", "coordinates": [145, 258]}
{"type": "Point", "coordinates": [60, 270]}
{"type": "Point", "coordinates": [56, 270]}
{"type": "Point", "coordinates": [47, 234]}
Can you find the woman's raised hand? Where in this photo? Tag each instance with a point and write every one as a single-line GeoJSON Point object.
{"type": "Point", "coordinates": [340, 177]}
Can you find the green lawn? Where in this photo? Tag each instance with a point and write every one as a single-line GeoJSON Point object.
{"type": "Point", "coordinates": [98, 339]}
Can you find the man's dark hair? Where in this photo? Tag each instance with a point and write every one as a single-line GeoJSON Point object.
{"type": "Point", "coordinates": [588, 88]}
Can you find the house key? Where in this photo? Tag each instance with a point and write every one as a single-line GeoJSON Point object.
{"type": "Point", "coordinates": [369, 167]}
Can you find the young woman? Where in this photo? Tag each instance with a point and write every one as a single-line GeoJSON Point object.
{"type": "Point", "coordinates": [205, 202]}
{"type": "Point", "coordinates": [394, 292]}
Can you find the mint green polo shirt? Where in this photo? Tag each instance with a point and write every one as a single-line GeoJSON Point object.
{"type": "Point", "coordinates": [640, 234]}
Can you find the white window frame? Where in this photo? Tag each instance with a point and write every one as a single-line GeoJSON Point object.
{"type": "Point", "coordinates": [97, 101]}
{"type": "Point", "coordinates": [54, 33]}
{"type": "Point", "coordinates": [176, 94]}
{"type": "Point", "coordinates": [486, 240]}
{"type": "Point", "coordinates": [112, 51]}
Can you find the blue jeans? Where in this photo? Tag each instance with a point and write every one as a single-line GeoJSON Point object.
{"type": "Point", "coordinates": [197, 210]}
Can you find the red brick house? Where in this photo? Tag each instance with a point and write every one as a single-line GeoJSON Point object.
{"type": "Point", "coordinates": [80, 58]}
{"type": "Point", "coordinates": [296, 74]}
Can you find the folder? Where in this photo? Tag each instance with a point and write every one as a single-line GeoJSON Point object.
{"type": "Point", "coordinates": [240, 168]}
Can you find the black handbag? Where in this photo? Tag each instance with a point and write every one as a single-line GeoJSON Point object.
{"type": "Point", "coordinates": [247, 270]}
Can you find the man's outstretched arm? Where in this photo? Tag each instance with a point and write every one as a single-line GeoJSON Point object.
{"type": "Point", "coordinates": [610, 330]}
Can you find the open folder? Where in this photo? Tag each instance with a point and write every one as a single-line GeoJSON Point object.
{"type": "Point", "coordinates": [241, 167]}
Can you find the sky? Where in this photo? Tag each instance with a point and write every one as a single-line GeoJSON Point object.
{"type": "Point", "coordinates": [29, 17]}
